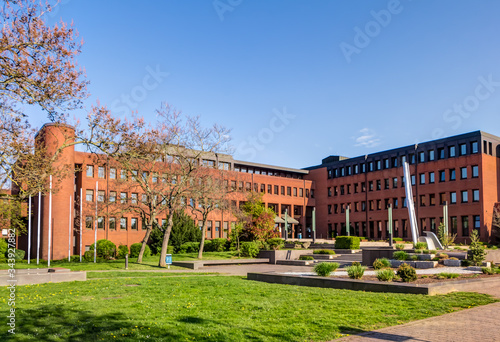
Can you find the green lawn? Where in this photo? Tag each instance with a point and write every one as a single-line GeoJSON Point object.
{"type": "Point", "coordinates": [210, 308]}
{"type": "Point", "coordinates": [132, 274]}
{"type": "Point", "coordinates": [149, 263]}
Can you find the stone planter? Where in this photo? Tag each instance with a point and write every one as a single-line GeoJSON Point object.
{"type": "Point", "coordinates": [451, 263]}
{"type": "Point", "coordinates": [323, 256]}
{"type": "Point", "coordinates": [414, 264]}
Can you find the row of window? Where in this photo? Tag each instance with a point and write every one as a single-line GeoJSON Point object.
{"type": "Point", "coordinates": [394, 162]}
{"type": "Point", "coordinates": [374, 228]}
{"type": "Point", "coordinates": [278, 190]}
{"type": "Point", "coordinates": [424, 200]}
{"type": "Point", "coordinates": [424, 178]}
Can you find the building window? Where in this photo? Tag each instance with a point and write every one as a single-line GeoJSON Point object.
{"type": "Point", "coordinates": [133, 198]}
{"type": "Point", "coordinates": [395, 202]}
{"type": "Point", "coordinates": [89, 222]}
{"type": "Point", "coordinates": [386, 163]}
{"type": "Point", "coordinates": [463, 173]}
{"type": "Point", "coordinates": [432, 199]}
{"type": "Point", "coordinates": [90, 171]}
{"type": "Point", "coordinates": [475, 171]}
{"type": "Point", "coordinates": [413, 181]}
{"type": "Point", "coordinates": [441, 153]}
{"type": "Point", "coordinates": [453, 197]}
{"type": "Point", "coordinates": [100, 222]}
{"type": "Point", "coordinates": [453, 175]}
{"type": "Point", "coordinates": [474, 147]}
{"type": "Point", "coordinates": [123, 174]}
{"type": "Point", "coordinates": [123, 223]}
{"type": "Point", "coordinates": [431, 155]}
{"type": "Point", "coordinates": [477, 222]}
{"type": "Point", "coordinates": [395, 182]}
{"type": "Point", "coordinates": [394, 161]}
{"type": "Point", "coordinates": [89, 195]}
{"type": "Point", "coordinates": [431, 178]}
{"type": "Point", "coordinates": [379, 165]}
{"type": "Point", "coordinates": [112, 173]}
{"type": "Point", "coordinates": [442, 198]}
{"type": "Point", "coordinates": [123, 197]}
{"type": "Point", "coordinates": [386, 183]}
{"type": "Point", "coordinates": [101, 172]}
{"type": "Point", "coordinates": [288, 191]}
{"type": "Point", "coordinates": [422, 178]}
{"type": "Point", "coordinates": [412, 158]}
{"type": "Point", "coordinates": [329, 192]}
{"type": "Point", "coordinates": [421, 157]}
{"type": "Point", "coordinates": [465, 225]}
{"type": "Point", "coordinates": [453, 225]}
{"type": "Point", "coordinates": [379, 184]}
{"type": "Point", "coordinates": [329, 208]}
{"type": "Point", "coordinates": [112, 223]}
{"type": "Point", "coordinates": [463, 149]}
{"type": "Point", "coordinates": [133, 223]}
{"type": "Point", "coordinates": [112, 196]}
{"type": "Point", "coordinates": [301, 192]}
{"type": "Point", "coordinates": [465, 196]}
{"type": "Point", "coordinates": [451, 151]}
{"type": "Point", "coordinates": [100, 196]}
{"type": "Point", "coordinates": [475, 195]}
{"type": "Point", "coordinates": [442, 176]}
{"type": "Point", "coordinates": [283, 191]}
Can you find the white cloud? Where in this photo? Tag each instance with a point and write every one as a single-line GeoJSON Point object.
{"type": "Point", "coordinates": [368, 138]}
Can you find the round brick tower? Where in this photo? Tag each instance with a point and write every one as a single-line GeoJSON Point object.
{"type": "Point", "coordinates": [53, 137]}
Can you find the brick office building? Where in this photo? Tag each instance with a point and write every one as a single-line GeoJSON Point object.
{"type": "Point", "coordinates": [284, 189]}
{"type": "Point", "coordinates": [462, 170]}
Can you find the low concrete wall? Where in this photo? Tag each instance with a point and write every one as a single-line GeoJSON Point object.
{"type": "Point", "coordinates": [373, 286]}
{"type": "Point", "coordinates": [281, 254]}
{"type": "Point", "coordinates": [41, 276]}
{"type": "Point", "coordinates": [372, 253]}
{"type": "Point", "coordinates": [493, 255]}
{"type": "Point", "coordinates": [194, 265]}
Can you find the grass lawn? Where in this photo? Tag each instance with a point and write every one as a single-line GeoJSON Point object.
{"type": "Point", "coordinates": [132, 274]}
{"type": "Point", "coordinates": [149, 263]}
{"type": "Point", "coordinates": [210, 308]}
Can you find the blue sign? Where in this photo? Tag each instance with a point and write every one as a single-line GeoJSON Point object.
{"type": "Point", "coordinates": [168, 259]}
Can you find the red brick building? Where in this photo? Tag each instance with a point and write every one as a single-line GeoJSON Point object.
{"type": "Point", "coordinates": [462, 170]}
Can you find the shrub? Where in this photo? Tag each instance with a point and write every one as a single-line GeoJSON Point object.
{"type": "Point", "coordinates": [488, 270]}
{"type": "Point", "coordinates": [323, 251]}
{"type": "Point", "coordinates": [249, 249]}
{"type": "Point", "coordinates": [219, 245]}
{"type": "Point", "coordinates": [381, 263]}
{"type": "Point", "coordinates": [476, 252]}
{"type": "Point", "coordinates": [189, 247]}
{"type": "Point", "coordinates": [88, 256]}
{"type": "Point", "coordinates": [442, 256]}
{"type": "Point", "coordinates": [445, 275]}
{"type": "Point", "coordinates": [355, 263]}
{"type": "Point", "coordinates": [18, 254]}
{"type": "Point", "coordinates": [414, 257]}
{"type": "Point", "coordinates": [265, 246]}
{"type": "Point", "coordinates": [420, 245]}
{"type": "Point", "coordinates": [356, 271]}
{"type": "Point", "coordinates": [183, 230]}
{"type": "Point", "coordinates": [323, 269]}
{"type": "Point", "coordinates": [207, 246]}
{"type": "Point", "coordinates": [406, 273]}
{"type": "Point", "coordinates": [4, 246]}
{"type": "Point", "coordinates": [105, 249]}
{"type": "Point", "coordinates": [453, 258]}
{"type": "Point", "coordinates": [465, 263]}
{"type": "Point", "coordinates": [435, 259]}
{"type": "Point", "coordinates": [400, 246]}
{"type": "Point", "coordinates": [122, 251]}
{"type": "Point", "coordinates": [400, 255]}
{"type": "Point", "coordinates": [275, 243]}
{"type": "Point", "coordinates": [347, 242]}
{"type": "Point", "coordinates": [170, 249]}
{"type": "Point", "coordinates": [306, 257]}
{"type": "Point", "coordinates": [397, 239]}
{"type": "Point", "coordinates": [385, 275]}
{"type": "Point", "coordinates": [74, 258]}
{"type": "Point", "coordinates": [136, 248]}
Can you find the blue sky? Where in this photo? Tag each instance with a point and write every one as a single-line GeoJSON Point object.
{"type": "Point", "coordinates": [297, 81]}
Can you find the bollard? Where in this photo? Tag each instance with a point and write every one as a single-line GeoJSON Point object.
{"type": "Point", "coordinates": [126, 261]}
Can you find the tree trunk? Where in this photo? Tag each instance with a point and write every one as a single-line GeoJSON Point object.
{"type": "Point", "coordinates": [166, 236]}
{"type": "Point", "coordinates": [149, 228]}
{"type": "Point", "coordinates": [202, 243]}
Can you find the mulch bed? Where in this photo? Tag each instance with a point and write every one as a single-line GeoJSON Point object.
{"type": "Point", "coordinates": [431, 278]}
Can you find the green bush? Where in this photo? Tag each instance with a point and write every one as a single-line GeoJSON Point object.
{"type": "Point", "coordinates": [355, 263]}
{"type": "Point", "coordinates": [136, 248]}
{"type": "Point", "coordinates": [400, 255]}
{"type": "Point", "coordinates": [442, 256]}
{"type": "Point", "coordinates": [219, 245]}
{"type": "Point", "coordinates": [323, 251]}
{"type": "Point", "coordinates": [122, 251]}
{"type": "Point", "coordinates": [105, 249]}
{"type": "Point", "coordinates": [385, 275]}
{"type": "Point", "coordinates": [476, 252]}
{"type": "Point", "coordinates": [356, 271]}
{"type": "Point", "coordinates": [74, 258]}
{"type": "Point", "coordinates": [397, 239]}
{"type": "Point", "coordinates": [4, 246]}
{"type": "Point", "coordinates": [381, 263]}
{"type": "Point", "coordinates": [183, 230]}
{"type": "Point", "coordinates": [414, 257]}
{"type": "Point", "coordinates": [275, 243]}
{"type": "Point", "coordinates": [488, 270]}
{"type": "Point", "coordinates": [347, 242]}
{"type": "Point", "coordinates": [323, 269]}
{"type": "Point", "coordinates": [400, 246]}
{"type": "Point", "coordinates": [249, 249]}
{"type": "Point", "coordinates": [88, 256]}
{"type": "Point", "coordinates": [446, 275]}
{"type": "Point", "coordinates": [263, 245]}
{"type": "Point", "coordinates": [406, 273]}
{"type": "Point", "coordinates": [306, 257]}
{"type": "Point", "coordinates": [420, 245]}
{"type": "Point", "coordinates": [190, 247]}
{"type": "Point", "coordinates": [170, 249]}
{"type": "Point", "coordinates": [207, 246]}
{"type": "Point", "coordinates": [18, 254]}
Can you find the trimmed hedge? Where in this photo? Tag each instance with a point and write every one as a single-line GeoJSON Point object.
{"type": "Point", "coordinates": [216, 245]}
{"type": "Point", "coordinates": [105, 249]}
{"type": "Point", "coordinates": [190, 247]}
{"type": "Point", "coordinates": [347, 242]}
{"type": "Point", "coordinates": [136, 248]}
{"type": "Point", "coordinates": [249, 249]}
{"type": "Point", "coordinates": [122, 251]}
{"type": "Point", "coordinates": [275, 243]}
{"type": "Point", "coordinates": [323, 251]}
